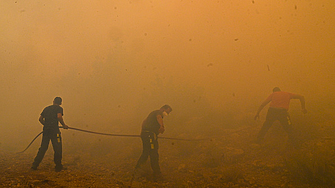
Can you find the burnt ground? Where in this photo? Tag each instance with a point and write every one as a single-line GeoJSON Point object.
{"type": "Point", "coordinates": [228, 158]}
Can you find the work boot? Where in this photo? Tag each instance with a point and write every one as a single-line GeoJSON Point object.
{"type": "Point", "coordinates": [140, 173]}
{"type": "Point", "coordinates": [34, 166]}
{"type": "Point", "coordinates": [158, 177]}
{"type": "Point", "coordinates": [58, 168]}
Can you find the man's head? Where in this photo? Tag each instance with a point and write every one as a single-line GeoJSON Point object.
{"type": "Point", "coordinates": [166, 108]}
{"type": "Point", "coordinates": [58, 101]}
{"type": "Point", "coordinates": [276, 89]}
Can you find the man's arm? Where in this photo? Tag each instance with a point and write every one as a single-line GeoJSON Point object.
{"type": "Point", "coordinates": [60, 119]}
{"type": "Point", "coordinates": [160, 121]}
{"type": "Point", "coordinates": [261, 107]}
{"type": "Point", "coordinates": [41, 120]}
{"type": "Point", "coordinates": [302, 102]}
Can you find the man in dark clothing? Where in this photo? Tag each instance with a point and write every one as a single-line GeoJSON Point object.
{"type": "Point", "coordinates": [49, 118]}
{"type": "Point", "coordinates": [151, 127]}
{"type": "Point", "coordinates": [279, 106]}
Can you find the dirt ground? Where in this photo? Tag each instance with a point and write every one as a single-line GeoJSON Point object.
{"type": "Point", "coordinates": [228, 158]}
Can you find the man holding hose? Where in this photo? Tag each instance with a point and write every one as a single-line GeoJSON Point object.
{"type": "Point", "coordinates": [49, 118]}
{"type": "Point", "coordinates": [151, 127]}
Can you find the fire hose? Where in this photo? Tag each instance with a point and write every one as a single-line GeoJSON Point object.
{"type": "Point", "coordinates": [108, 134]}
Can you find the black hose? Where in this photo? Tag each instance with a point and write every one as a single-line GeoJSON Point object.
{"type": "Point", "coordinates": [130, 135]}
{"type": "Point", "coordinates": [107, 134]}
{"type": "Point", "coordinates": [31, 142]}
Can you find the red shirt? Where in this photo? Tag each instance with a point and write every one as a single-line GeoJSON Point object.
{"type": "Point", "coordinates": [280, 99]}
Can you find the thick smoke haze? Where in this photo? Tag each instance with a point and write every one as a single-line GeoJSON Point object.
{"type": "Point", "coordinates": [113, 62]}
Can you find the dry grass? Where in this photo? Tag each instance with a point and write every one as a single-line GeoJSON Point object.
{"type": "Point", "coordinates": [315, 163]}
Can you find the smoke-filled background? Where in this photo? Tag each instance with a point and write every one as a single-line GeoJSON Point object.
{"type": "Point", "coordinates": [113, 62]}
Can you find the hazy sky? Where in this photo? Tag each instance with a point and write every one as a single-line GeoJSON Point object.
{"type": "Point", "coordinates": [108, 58]}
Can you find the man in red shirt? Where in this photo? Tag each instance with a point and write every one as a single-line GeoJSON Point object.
{"type": "Point", "coordinates": [279, 106]}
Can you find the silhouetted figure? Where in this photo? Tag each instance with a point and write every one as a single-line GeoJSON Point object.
{"type": "Point", "coordinates": [279, 106]}
{"type": "Point", "coordinates": [151, 127]}
{"type": "Point", "coordinates": [49, 118]}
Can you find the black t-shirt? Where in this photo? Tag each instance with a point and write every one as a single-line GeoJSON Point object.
{"type": "Point", "coordinates": [151, 124]}
{"type": "Point", "coordinates": [50, 115]}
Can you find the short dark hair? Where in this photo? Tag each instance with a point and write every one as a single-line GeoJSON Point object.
{"type": "Point", "coordinates": [58, 100]}
{"type": "Point", "coordinates": [165, 107]}
{"type": "Point", "coordinates": [276, 89]}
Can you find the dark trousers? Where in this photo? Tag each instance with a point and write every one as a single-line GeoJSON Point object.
{"type": "Point", "coordinates": [273, 115]}
{"type": "Point", "coordinates": [150, 148]}
{"type": "Point", "coordinates": [56, 140]}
